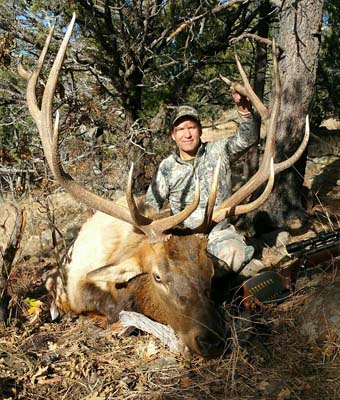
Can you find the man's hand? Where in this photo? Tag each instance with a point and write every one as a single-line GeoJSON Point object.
{"type": "Point", "coordinates": [242, 102]}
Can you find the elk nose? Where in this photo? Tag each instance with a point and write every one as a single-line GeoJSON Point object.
{"type": "Point", "coordinates": [210, 345]}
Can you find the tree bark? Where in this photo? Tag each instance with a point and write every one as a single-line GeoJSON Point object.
{"type": "Point", "coordinates": [6, 261]}
{"type": "Point", "coordinates": [300, 34]}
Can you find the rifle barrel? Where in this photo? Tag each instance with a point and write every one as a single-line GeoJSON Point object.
{"type": "Point", "coordinates": [305, 254]}
{"type": "Point", "coordinates": [321, 239]}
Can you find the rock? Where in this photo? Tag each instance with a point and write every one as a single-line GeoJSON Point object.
{"type": "Point", "coordinates": [276, 239]}
{"type": "Point", "coordinates": [320, 316]}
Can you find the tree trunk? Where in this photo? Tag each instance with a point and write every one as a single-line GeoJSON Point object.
{"type": "Point", "coordinates": [6, 261]}
{"type": "Point", "coordinates": [300, 34]}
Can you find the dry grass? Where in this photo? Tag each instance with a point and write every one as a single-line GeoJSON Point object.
{"type": "Point", "coordinates": [79, 360]}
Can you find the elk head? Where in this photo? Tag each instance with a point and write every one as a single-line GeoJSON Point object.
{"type": "Point", "coordinates": [170, 282]}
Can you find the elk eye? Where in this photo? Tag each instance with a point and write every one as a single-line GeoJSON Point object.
{"type": "Point", "coordinates": [157, 278]}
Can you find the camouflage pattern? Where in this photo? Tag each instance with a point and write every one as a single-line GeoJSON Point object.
{"type": "Point", "coordinates": [184, 111]}
{"type": "Point", "coordinates": [175, 181]}
{"type": "Point", "coordinates": [229, 246]}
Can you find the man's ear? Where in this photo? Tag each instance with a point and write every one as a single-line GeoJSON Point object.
{"type": "Point", "coordinates": [173, 136]}
{"type": "Point", "coordinates": [119, 273]}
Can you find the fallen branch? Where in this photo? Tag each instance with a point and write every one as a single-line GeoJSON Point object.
{"type": "Point", "coordinates": [163, 332]}
{"type": "Point", "coordinates": [14, 171]}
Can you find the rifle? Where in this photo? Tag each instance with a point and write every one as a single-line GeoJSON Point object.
{"type": "Point", "coordinates": [302, 257]}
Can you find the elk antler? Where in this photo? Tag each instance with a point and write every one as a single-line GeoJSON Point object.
{"type": "Point", "coordinates": [232, 206]}
{"type": "Point", "coordinates": [154, 229]}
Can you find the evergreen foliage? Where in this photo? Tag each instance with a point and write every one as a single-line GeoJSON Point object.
{"type": "Point", "coordinates": [327, 98]}
{"type": "Point", "coordinates": [128, 65]}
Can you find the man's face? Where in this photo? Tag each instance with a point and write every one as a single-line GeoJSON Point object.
{"type": "Point", "coordinates": [186, 133]}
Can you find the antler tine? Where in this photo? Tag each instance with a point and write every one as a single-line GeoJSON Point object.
{"type": "Point", "coordinates": [237, 209]}
{"type": "Point", "coordinates": [270, 142]}
{"type": "Point", "coordinates": [23, 72]}
{"type": "Point", "coordinates": [46, 132]}
{"type": "Point", "coordinates": [212, 196]}
{"type": "Point", "coordinates": [292, 159]}
{"type": "Point", "coordinates": [138, 218]}
{"type": "Point", "coordinates": [275, 109]}
{"type": "Point", "coordinates": [235, 85]}
{"type": "Point", "coordinates": [32, 78]}
{"type": "Point", "coordinates": [156, 230]}
{"type": "Point", "coordinates": [209, 209]}
{"type": "Point", "coordinates": [257, 103]}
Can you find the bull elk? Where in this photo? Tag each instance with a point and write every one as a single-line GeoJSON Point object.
{"type": "Point", "coordinates": [126, 258]}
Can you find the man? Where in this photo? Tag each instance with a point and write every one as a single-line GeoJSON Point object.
{"type": "Point", "coordinates": [175, 179]}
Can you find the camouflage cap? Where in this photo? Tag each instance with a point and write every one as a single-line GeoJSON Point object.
{"type": "Point", "coordinates": [183, 111]}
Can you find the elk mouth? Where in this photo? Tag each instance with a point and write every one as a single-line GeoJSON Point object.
{"type": "Point", "coordinates": [209, 342]}
{"type": "Point", "coordinates": [210, 348]}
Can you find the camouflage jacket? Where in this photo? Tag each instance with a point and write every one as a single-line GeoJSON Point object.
{"type": "Point", "coordinates": [175, 178]}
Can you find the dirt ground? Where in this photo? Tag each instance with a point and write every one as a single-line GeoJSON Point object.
{"type": "Point", "coordinates": [271, 357]}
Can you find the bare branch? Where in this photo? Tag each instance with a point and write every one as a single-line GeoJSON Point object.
{"type": "Point", "coordinates": [252, 36]}
{"type": "Point", "coordinates": [214, 11]}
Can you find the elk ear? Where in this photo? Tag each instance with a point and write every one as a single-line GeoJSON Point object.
{"type": "Point", "coordinates": [119, 273]}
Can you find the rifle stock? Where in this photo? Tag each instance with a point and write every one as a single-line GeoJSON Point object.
{"type": "Point", "coordinates": [273, 285]}
{"type": "Point", "coordinates": [292, 269]}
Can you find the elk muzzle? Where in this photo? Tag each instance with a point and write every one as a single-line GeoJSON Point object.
{"type": "Point", "coordinates": [206, 340]}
